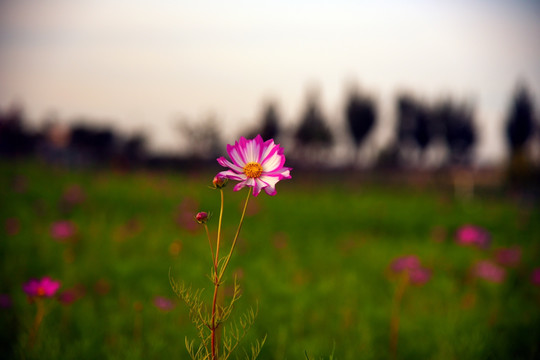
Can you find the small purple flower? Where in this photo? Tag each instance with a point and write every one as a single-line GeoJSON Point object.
{"type": "Point", "coordinates": [473, 235]}
{"type": "Point", "coordinates": [62, 230]}
{"type": "Point", "coordinates": [508, 256]}
{"type": "Point", "coordinates": [489, 271]}
{"type": "Point", "coordinates": [163, 303]}
{"type": "Point", "coordinates": [45, 287]}
{"type": "Point", "coordinates": [407, 262]}
{"type": "Point", "coordinates": [535, 276]}
{"type": "Point", "coordinates": [5, 301]}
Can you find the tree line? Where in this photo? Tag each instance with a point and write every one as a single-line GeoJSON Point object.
{"type": "Point", "coordinates": [446, 130]}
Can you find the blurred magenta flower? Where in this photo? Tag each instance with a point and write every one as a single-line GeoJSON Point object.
{"type": "Point", "coordinates": [5, 301]}
{"type": "Point", "coordinates": [163, 303]}
{"type": "Point", "coordinates": [489, 271]}
{"type": "Point", "coordinates": [419, 275]}
{"type": "Point", "coordinates": [411, 265]}
{"type": "Point", "coordinates": [62, 230]}
{"type": "Point", "coordinates": [508, 256]}
{"type": "Point", "coordinates": [69, 296]}
{"type": "Point", "coordinates": [473, 235]}
{"type": "Point", "coordinates": [535, 276]}
{"type": "Point", "coordinates": [406, 262]}
{"type": "Point", "coordinates": [255, 163]}
{"type": "Point", "coordinates": [45, 287]}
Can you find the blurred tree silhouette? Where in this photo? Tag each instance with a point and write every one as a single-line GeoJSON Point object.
{"type": "Point", "coordinates": [15, 139]}
{"type": "Point", "coordinates": [269, 123]}
{"type": "Point", "coordinates": [414, 128]}
{"type": "Point", "coordinates": [520, 120]}
{"type": "Point", "coordinates": [313, 137]}
{"type": "Point", "coordinates": [456, 123]}
{"type": "Point", "coordinates": [360, 114]}
{"type": "Point", "coordinates": [519, 130]}
{"type": "Point", "coordinates": [92, 145]}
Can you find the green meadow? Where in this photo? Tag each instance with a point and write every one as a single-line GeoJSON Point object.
{"type": "Point", "coordinates": [314, 260]}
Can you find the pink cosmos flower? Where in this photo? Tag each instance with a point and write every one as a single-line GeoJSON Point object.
{"type": "Point", "coordinates": [508, 256]}
{"type": "Point", "coordinates": [473, 235]}
{"type": "Point", "coordinates": [62, 230]}
{"type": "Point", "coordinates": [410, 264]}
{"type": "Point", "coordinates": [489, 271]}
{"type": "Point", "coordinates": [407, 262]}
{"type": "Point", "coordinates": [45, 287]}
{"type": "Point", "coordinates": [163, 303]}
{"type": "Point", "coordinates": [255, 163]}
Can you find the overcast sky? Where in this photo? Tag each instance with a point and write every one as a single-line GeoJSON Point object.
{"type": "Point", "coordinates": [142, 64]}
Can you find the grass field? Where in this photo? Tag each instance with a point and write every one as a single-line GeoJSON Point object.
{"type": "Point", "coordinates": [315, 258]}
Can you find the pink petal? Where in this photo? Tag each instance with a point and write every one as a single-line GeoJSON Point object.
{"type": "Point", "coordinates": [236, 155]}
{"type": "Point", "coordinates": [226, 163]}
{"type": "Point", "coordinates": [229, 174]}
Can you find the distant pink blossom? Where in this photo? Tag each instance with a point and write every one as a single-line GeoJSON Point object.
{"type": "Point", "coordinates": [535, 276]}
{"type": "Point", "coordinates": [45, 287]}
{"type": "Point", "coordinates": [411, 265]}
{"type": "Point", "coordinates": [255, 163]}
{"type": "Point", "coordinates": [419, 276]}
{"type": "Point", "coordinates": [69, 296]}
{"type": "Point", "coordinates": [473, 235]}
{"type": "Point", "coordinates": [508, 256]}
{"type": "Point", "coordinates": [62, 230]}
{"type": "Point", "coordinates": [489, 271]}
{"type": "Point", "coordinates": [407, 262]}
{"type": "Point", "coordinates": [164, 303]}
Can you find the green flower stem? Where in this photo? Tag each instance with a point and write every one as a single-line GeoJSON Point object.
{"type": "Point", "coordinates": [217, 278]}
{"type": "Point", "coordinates": [235, 236]}
{"type": "Point", "coordinates": [216, 259]}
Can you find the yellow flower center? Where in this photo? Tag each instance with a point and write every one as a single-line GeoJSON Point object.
{"type": "Point", "coordinates": [253, 170]}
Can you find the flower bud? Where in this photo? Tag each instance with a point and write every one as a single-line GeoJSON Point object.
{"type": "Point", "coordinates": [219, 181]}
{"type": "Point", "coordinates": [201, 217]}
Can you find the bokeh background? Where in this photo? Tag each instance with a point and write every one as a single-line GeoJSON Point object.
{"type": "Point", "coordinates": [410, 228]}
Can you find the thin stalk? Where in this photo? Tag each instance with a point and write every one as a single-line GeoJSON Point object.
{"type": "Point", "coordinates": [216, 280]}
{"type": "Point", "coordinates": [40, 313]}
{"type": "Point", "coordinates": [396, 305]}
{"type": "Point", "coordinates": [216, 259]}
{"type": "Point", "coordinates": [235, 237]}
